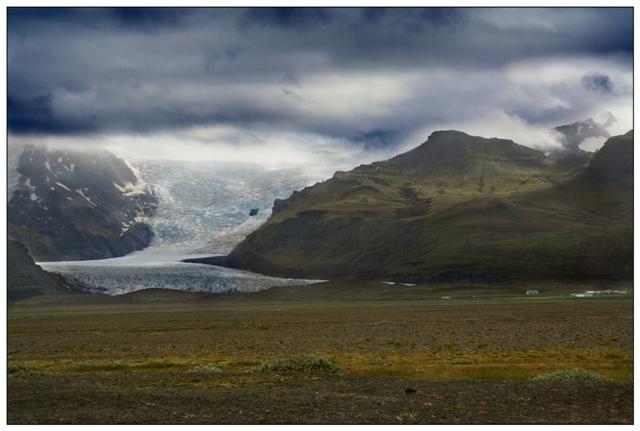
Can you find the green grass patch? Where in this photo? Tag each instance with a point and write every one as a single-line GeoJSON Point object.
{"type": "Point", "coordinates": [22, 371]}
{"type": "Point", "coordinates": [573, 375]}
{"type": "Point", "coordinates": [154, 365]}
{"type": "Point", "coordinates": [96, 366]}
{"type": "Point", "coordinates": [304, 364]}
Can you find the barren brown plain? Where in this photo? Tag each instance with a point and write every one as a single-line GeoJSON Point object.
{"type": "Point", "coordinates": [406, 354]}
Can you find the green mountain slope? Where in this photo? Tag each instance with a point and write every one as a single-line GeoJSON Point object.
{"type": "Point", "coordinates": [456, 208]}
{"type": "Point", "coordinates": [26, 279]}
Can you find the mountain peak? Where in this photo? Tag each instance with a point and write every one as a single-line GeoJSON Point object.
{"type": "Point", "coordinates": [439, 134]}
{"type": "Point", "coordinates": [576, 133]}
{"type": "Point", "coordinates": [456, 136]}
{"type": "Point", "coordinates": [455, 149]}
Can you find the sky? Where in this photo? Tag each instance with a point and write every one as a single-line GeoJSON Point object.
{"type": "Point", "coordinates": [324, 87]}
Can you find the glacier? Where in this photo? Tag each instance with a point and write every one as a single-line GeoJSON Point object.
{"type": "Point", "coordinates": [203, 211]}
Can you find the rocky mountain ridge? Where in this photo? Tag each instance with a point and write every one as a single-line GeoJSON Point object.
{"type": "Point", "coordinates": [76, 205]}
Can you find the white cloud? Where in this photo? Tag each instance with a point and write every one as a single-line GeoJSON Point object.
{"type": "Point", "coordinates": [312, 120]}
{"type": "Point", "coordinates": [592, 144]}
{"type": "Point", "coordinates": [320, 156]}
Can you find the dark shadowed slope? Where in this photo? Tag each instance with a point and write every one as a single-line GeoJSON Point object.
{"type": "Point", "coordinates": [456, 208]}
{"type": "Point", "coordinates": [614, 162]}
{"type": "Point", "coordinates": [26, 279]}
{"type": "Point", "coordinates": [74, 205]}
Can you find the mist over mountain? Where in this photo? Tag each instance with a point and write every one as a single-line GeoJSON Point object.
{"type": "Point", "coordinates": [575, 134]}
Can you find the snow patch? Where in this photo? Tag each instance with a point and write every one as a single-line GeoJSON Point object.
{"type": "Point", "coordinates": [139, 185]}
{"type": "Point", "coordinates": [130, 189]}
{"type": "Point", "coordinates": [82, 192]}
{"type": "Point", "coordinates": [592, 293]}
{"type": "Point", "coordinates": [124, 226]}
{"type": "Point", "coordinates": [133, 169]}
{"type": "Point", "coordinates": [63, 186]}
{"type": "Point", "coordinates": [392, 283]}
{"type": "Point", "coordinates": [28, 185]}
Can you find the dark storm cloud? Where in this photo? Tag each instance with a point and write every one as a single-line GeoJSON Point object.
{"type": "Point", "coordinates": [377, 139]}
{"type": "Point", "coordinates": [598, 82]}
{"type": "Point", "coordinates": [346, 72]}
{"type": "Point", "coordinates": [33, 114]}
{"type": "Point", "coordinates": [146, 18]}
{"type": "Point", "coordinates": [285, 17]}
{"type": "Point", "coordinates": [140, 19]}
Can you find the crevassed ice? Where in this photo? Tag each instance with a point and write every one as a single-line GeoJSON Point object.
{"type": "Point", "coordinates": [203, 210]}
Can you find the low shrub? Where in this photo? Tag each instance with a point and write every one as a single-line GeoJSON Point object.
{"type": "Point", "coordinates": [206, 369]}
{"type": "Point", "coordinates": [303, 364]}
{"type": "Point", "coordinates": [573, 375]}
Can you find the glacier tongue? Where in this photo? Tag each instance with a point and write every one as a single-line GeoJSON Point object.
{"type": "Point", "coordinates": [203, 210]}
{"type": "Point", "coordinates": [162, 269]}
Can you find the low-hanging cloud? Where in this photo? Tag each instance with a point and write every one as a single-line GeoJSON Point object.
{"type": "Point", "coordinates": [303, 84]}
